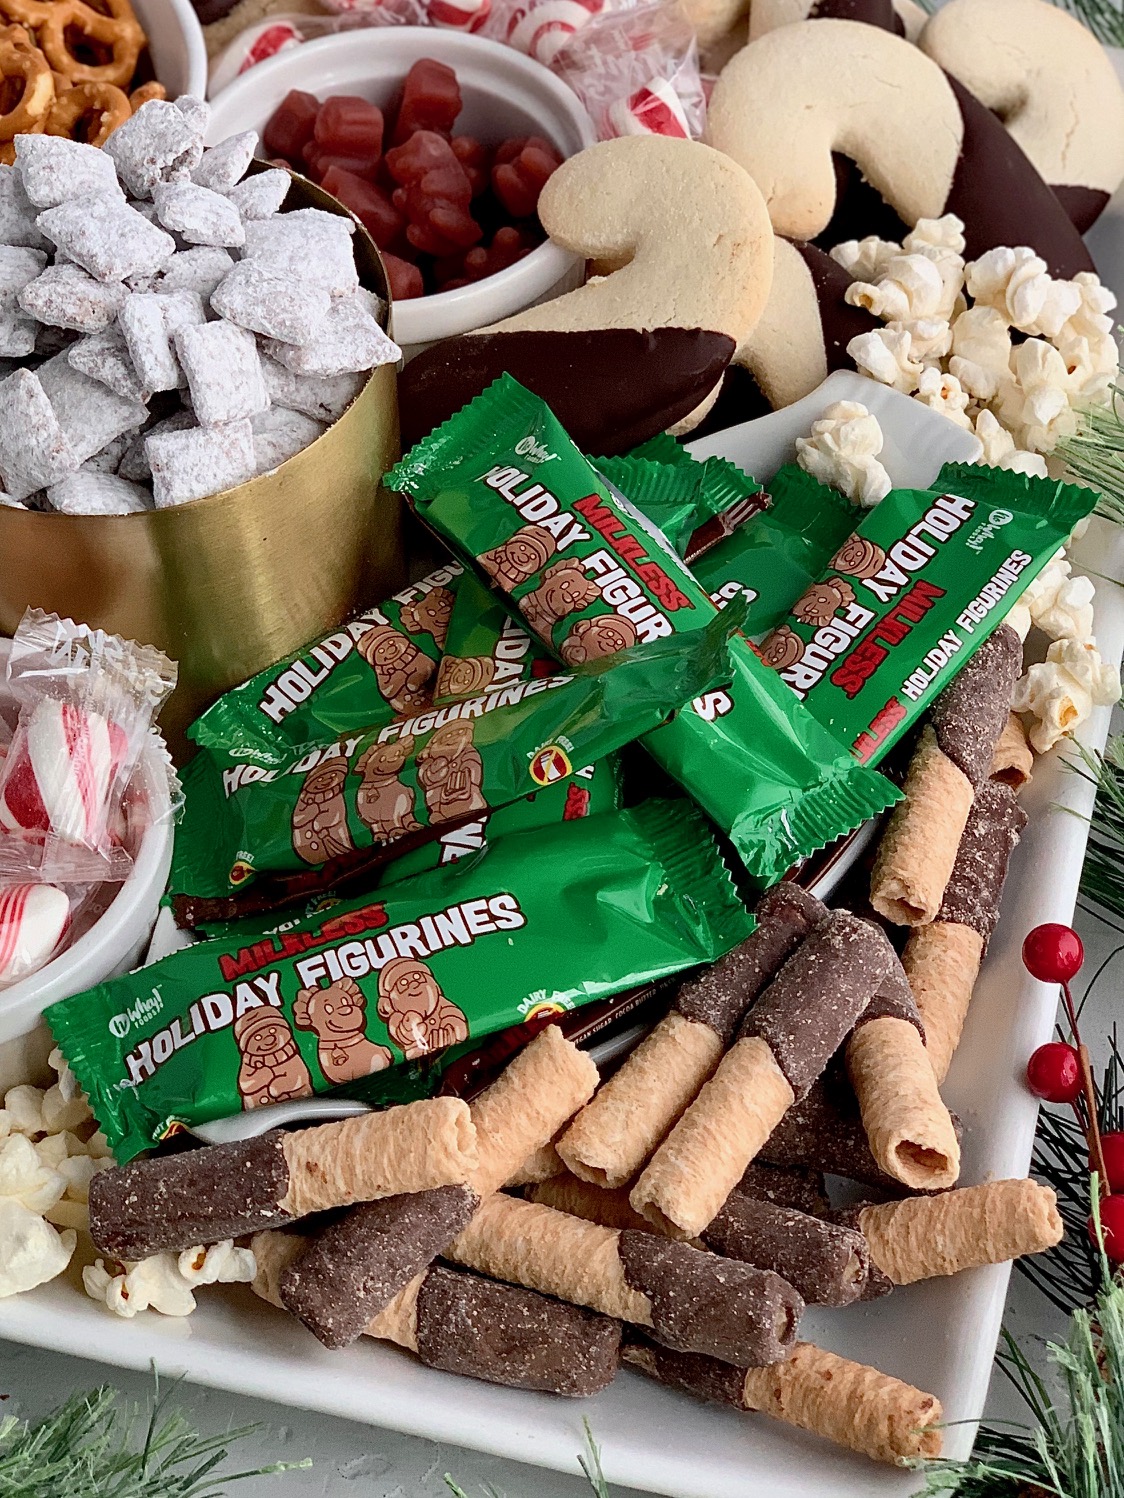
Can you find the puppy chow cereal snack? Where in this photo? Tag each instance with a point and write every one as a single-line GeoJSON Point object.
{"type": "Point", "coordinates": [347, 995]}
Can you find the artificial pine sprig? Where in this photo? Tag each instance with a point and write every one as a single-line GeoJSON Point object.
{"type": "Point", "coordinates": [97, 1446]}
{"type": "Point", "coordinates": [1102, 878]}
{"type": "Point", "coordinates": [1103, 18]}
{"type": "Point", "coordinates": [1095, 454]}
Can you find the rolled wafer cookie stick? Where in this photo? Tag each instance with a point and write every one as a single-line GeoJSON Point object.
{"type": "Point", "coordinates": [613, 1137]}
{"type": "Point", "coordinates": [1013, 760]}
{"type": "Point", "coordinates": [464, 1324]}
{"type": "Point", "coordinates": [785, 1042]}
{"type": "Point", "coordinates": [538, 1091]}
{"type": "Point", "coordinates": [923, 1237]}
{"type": "Point", "coordinates": [227, 1190]}
{"type": "Point", "coordinates": [826, 1262]}
{"type": "Point", "coordinates": [849, 1403]}
{"type": "Point", "coordinates": [688, 1299]}
{"type": "Point", "coordinates": [952, 760]}
{"type": "Point", "coordinates": [541, 1165]}
{"type": "Point", "coordinates": [943, 960]}
{"type": "Point", "coordinates": [908, 1126]}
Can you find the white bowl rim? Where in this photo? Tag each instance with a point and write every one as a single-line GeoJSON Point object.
{"type": "Point", "coordinates": [445, 313]}
{"type": "Point", "coordinates": [22, 1004]}
{"type": "Point", "coordinates": [192, 33]}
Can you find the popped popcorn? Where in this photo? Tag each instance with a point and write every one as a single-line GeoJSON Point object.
{"type": "Point", "coordinates": [165, 1281]}
{"type": "Point", "coordinates": [1016, 282]}
{"type": "Point", "coordinates": [884, 354]}
{"type": "Point", "coordinates": [981, 351]}
{"type": "Point", "coordinates": [865, 259]}
{"type": "Point", "coordinates": [910, 287]}
{"type": "Point", "coordinates": [220, 1264]}
{"type": "Point", "coordinates": [26, 1178]}
{"type": "Point", "coordinates": [32, 1251]}
{"type": "Point", "coordinates": [942, 392]}
{"type": "Point", "coordinates": [843, 452]}
{"type": "Point", "coordinates": [1060, 692]}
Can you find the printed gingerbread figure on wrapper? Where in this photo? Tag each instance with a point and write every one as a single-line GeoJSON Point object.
{"type": "Point", "coordinates": [519, 557]}
{"type": "Point", "coordinates": [451, 772]}
{"type": "Point", "coordinates": [338, 1015]}
{"type": "Point", "coordinates": [417, 1014]}
{"type": "Point", "coordinates": [383, 801]}
{"type": "Point", "coordinates": [401, 669]}
{"type": "Point", "coordinates": [320, 829]}
{"type": "Point", "coordinates": [430, 614]}
{"type": "Point", "coordinates": [272, 1069]}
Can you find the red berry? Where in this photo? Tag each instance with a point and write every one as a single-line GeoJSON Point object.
{"type": "Point", "coordinates": [1053, 1073]}
{"type": "Point", "coordinates": [1113, 1147]}
{"type": "Point", "coordinates": [1112, 1228]}
{"type": "Point", "coordinates": [1053, 953]}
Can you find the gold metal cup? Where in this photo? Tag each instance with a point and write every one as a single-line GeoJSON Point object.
{"type": "Point", "coordinates": [230, 583]}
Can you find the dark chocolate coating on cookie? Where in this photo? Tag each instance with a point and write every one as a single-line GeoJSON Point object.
{"type": "Point", "coordinates": [611, 388]}
{"type": "Point", "coordinates": [1002, 199]}
{"type": "Point", "coordinates": [691, 1373]}
{"type": "Point", "coordinates": [872, 12]}
{"type": "Point", "coordinates": [824, 1130]}
{"type": "Point", "coordinates": [971, 712]}
{"type": "Point", "coordinates": [825, 1262]}
{"type": "Point", "coordinates": [840, 321]}
{"type": "Point", "coordinates": [817, 996]}
{"type": "Point", "coordinates": [859, 209]}
{"type": "Point", "coordinates": [1084, 205]}
{"type": "Point", "coordinates": [894, 1000]}
{"type": "Point", "coordinates": [174, 1202]}
{"type": "Point", "coordinates": [357, 1264]}
{"type": "Point", "coordinates": [974, 889]}
{"type": "Point", "coordinates": [702, 1303]}
{"type": "Point", "coordinates": [794, 1186]}
{"type": "Point", "coordinates": [720, 996]}
{"type": "Point", "coordinates": [504, 1334]}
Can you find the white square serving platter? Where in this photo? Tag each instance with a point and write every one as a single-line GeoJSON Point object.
{"type": "Point", "coordinates": [940, 1335]}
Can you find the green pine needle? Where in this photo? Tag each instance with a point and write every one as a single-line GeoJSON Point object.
{"type": "Point", "coordinates": [589, 1461]}
{"type": "Point", "coordinates": [1103, 18]}
{"type": "Point", "coordinates": [96, 1446]}
{"type": "Point", "coordinates": [1095, 454]}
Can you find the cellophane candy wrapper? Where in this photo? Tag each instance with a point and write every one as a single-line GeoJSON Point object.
{"type": "Point", "coordinates": [36, 921]}
{"type": "Point", "coordinates": [87, 701]}
{"type": "Point", "coordinates": [280, 33]}
{"type": "Point", "coordinates": [637, 72]}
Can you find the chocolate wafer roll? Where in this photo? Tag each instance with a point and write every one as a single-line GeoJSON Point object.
{"type": "Point", "coordinates": [357, 1265]}
{"type": "Point", "coordinates": [1013, 760]}
{"type": "Point", "coordinates": [824, 1131]}
{"type": "Point", "coordinates": [952, 760]}
{"type": "Point", "coordinates": [688, 1299]}
{"type": "Point", "coordinates": [827, 1263]}
{"type": "Point", "coordinates": [942, 960]}
{"type": "Point", "coordinates": [464, 1324]}
{"type": "Point", "coordinates": [848, 1403]}
{"type": "Point", "coordinates": [907, 1124]}
{"type": "Point", "coordinates": [785, 1042]}
{"type": "Point", "coordinates": [612, 1138]}
{"type": "Point", "coordinates": [924, 1237]}
{"type": "Point", "coordinates": [202, 1196]}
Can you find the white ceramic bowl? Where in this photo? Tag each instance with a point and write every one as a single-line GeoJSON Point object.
{"type": "Point", "coordinates": [175, 40]}
{"type": "Point", "coordinates": [113, 944]}
{"type": "Point", "coordinates": [504, 94]}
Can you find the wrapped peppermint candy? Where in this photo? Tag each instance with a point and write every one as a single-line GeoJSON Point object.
{"type": "Point", "coordinates": [34, 918]}
{"type": "Point", "coordinates": [86, 706]}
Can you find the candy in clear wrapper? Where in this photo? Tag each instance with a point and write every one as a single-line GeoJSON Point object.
{"type": "Point", "coordinates": [34, 918]}
{"type": "Point", "coordinates": [87, 701]}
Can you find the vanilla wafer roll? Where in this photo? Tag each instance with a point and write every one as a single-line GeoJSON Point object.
{"type": "Point", "coordinates": [540, 1165]}
{"type": "Point", "coordinates": [942, 960]}
{"type": "Point", "coordinates": [922, 1237]}
{"type": "Point", "coordinates": [1013, 760]}
{"type": "Point", "coordinates": [911, 1134]}
{"type": "Point", "coordinates": [688, 1299]}
{"type": "Point", "coordinates": [461, 1323]}
{"type": "Point", "coordinates": [785, 1042]}
{"type": "Point", "coordinates": [952, 760]}
{"type": "Point", "coordinates": [817, 1391]}
{"type": "Point", "coordinates": [224, 1191]}
{"type": "Point", "coordinates": [614, 1136]}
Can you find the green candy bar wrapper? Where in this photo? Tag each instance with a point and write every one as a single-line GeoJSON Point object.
{"type": "Point", "coordinates": [776, 782]}
{"type": "Point", "coordinates": [369, 993]}
{"type": "Point", "coordinates": [333, 809]}
{"type": "Point", "coordinates": [503, 484]}
{"type": "Point", "coordinates": [913, 592]}
{"type": "Point", "coordinates": [488, 647]}
{"type": "Point", "coordinates": [770, 561]}
{"type": "Point", "coordinates": [378, 665]}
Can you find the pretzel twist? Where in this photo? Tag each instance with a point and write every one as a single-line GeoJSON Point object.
{"type": "Point", "coordinates": [101, 107]}
{"type": "Point", "coordinates": [116, 31]}
{"type": "Point", "coordinates": [24, 63]}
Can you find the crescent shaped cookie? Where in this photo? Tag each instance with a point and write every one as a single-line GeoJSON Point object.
{"type": "Point", "coordinates": [1051, 83]}
{"type": "Point", "coordinates": [793, 103]}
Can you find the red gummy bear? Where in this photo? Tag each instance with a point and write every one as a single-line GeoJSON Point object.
{"type": "Point", "coordinates": [291, 125]}
{"type": "Point", "coordinates": [370, 204]}
{"type": "Point", "coordinates": [521, 171]}
{"type": "Point", "coordinates": [320, 160]}
{"type": "Point", "coordinates": [476, 160]}
{"type": "Point", "coordinates": [434, 194]}
{"type": "Point", "coordinates": [349, 126]}
{"type": "Point", "coordinates": [508, 245]}
{"type": "Point", "coordinates": [405, 279]}
{"type": "Point", "coordinates": [431, 100]}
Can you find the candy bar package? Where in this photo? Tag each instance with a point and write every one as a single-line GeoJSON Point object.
{"type": "Point", "coordinates": [907, 598]}
{"type": "Point", "coordinates": [87, 702]}
{"type": "Point", "coordinates": [548, 918]}
{"type": "Point", "coordinates": [373, 668]}
{"type": "Point", "coordinates": [336, 807]}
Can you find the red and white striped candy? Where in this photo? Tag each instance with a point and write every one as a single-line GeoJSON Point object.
{"type": "Point", "coordinates": [543, 30]}
{"type": "Point", "coordinates": [458, 15]}
{"type": "Point", "coordinates": [278, 37]}
{"type": "Point", "coordinates": [655, 109]}
{"type": "Point", "coordinates": [59, 775]}
{"type": "Point", "coordinates": [33, 920]}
